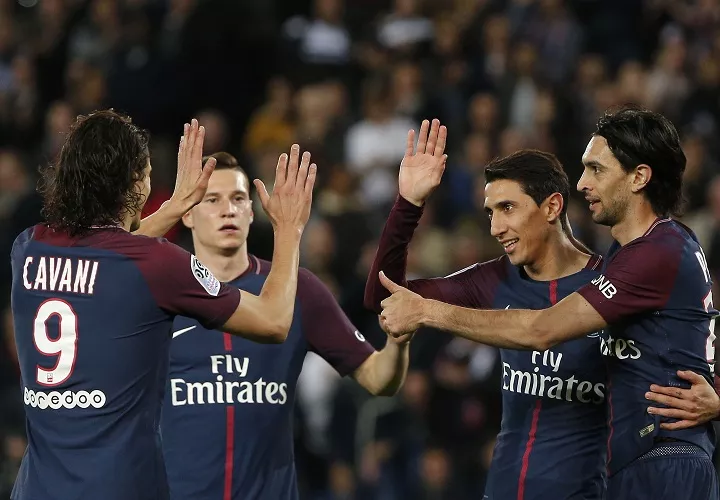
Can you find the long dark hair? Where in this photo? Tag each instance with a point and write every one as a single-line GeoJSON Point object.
{"type": "Point", "coordinates": [93, 181]}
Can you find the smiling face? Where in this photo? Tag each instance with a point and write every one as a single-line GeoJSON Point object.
{"type": "Point", "coordinates": [607, 187]}
{"type": "Point", "coordinates": [221, 221]}
{"type": "Point", "coordinates": [520, 225]}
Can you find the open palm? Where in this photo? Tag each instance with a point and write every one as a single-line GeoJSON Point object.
{"type": "Point", "coordinates": [421, 170]}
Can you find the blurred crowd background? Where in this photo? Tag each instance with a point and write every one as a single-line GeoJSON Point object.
{"type": "Point", "coordinates": [347, 79]}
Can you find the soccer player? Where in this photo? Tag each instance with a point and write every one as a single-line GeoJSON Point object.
{"type": "Point", "coordinates": [652, 305]}
{"type": "Point", "coordinates": [227, 419]}
{"type": "Point", "coordinates": [93, 307]}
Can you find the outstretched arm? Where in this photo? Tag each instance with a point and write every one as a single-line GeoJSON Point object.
{"type": "Point", "coordinates": [420, 174]}
{"type": "Point", "coordinates": [405, 311]}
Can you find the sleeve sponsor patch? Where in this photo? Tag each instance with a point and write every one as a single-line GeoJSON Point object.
{"type": "Point", "coordinates": [209, 282]}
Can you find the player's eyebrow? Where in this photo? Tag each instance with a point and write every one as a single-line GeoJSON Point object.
{"type": "Point", "coordinates": [501, 203]}
{"type": "Point", "coordinates": [593, 164]}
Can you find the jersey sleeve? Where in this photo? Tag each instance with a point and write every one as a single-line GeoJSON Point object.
{"type": "Point", "coordinates": [327, 329]}
{"type": "Point", "coordinates": [183, 286]}
{"type": "Point", "coordinates": [470, 287]}
{"type": "Point", "coordinates": [639, 279]}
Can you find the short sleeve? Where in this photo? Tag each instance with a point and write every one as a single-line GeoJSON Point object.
{"type": "Point", "coordinates": [182, 285]}
{"type": "Point", "coordinates": [327, 329]}
{"type": "Point", "coordinates": [639, 279]}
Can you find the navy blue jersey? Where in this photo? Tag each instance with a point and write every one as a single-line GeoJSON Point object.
{"type": "Point", "coordinates": [93, 316]}
{"type": "Point", "coordinates": [655, 293]}
{"type": "Point", "coordinates": [227, 419]}
{"type": "Point", "coordinates": [553, 433]}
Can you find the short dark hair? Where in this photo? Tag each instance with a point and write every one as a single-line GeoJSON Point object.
{"type": "Point", "coordinates": [226, 161]}
{"type": "Point", "coordinates": [539, 174]}
{"type": "Point", "coordinates": [638, 136]}
{"type": "Point", "coordinates": [93, 180]}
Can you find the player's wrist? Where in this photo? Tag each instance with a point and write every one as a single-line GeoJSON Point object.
{"type": "Point", "coordinates": [413, 200]}
{"type": "Point", "coordinates": [288, 233]}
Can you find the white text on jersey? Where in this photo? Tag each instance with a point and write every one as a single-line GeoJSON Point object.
{"type": "Point", "coordinates": [222, 391]}
{"type": "Point", "coordinates": [60, 274]}
{"type": "Point", "coordinates": [541, 385]}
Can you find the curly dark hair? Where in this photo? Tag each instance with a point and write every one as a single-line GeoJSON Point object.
{"type": "Point", "coordinates": [638, 136]}
{"type": "Point", "coordinates": [93, 181]}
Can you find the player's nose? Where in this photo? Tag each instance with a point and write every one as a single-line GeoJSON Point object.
{"type": "Point", "coordinates": [497, 227]}
{"type": "Point", "coordinates": [582, 184]}
{"type": "Point", "coordinates": [229, 209]}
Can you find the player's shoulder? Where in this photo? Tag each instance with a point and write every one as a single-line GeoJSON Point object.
{"type": "Point", "coordinates": [25, 237]}
{"type": "Point", "coordinates": [665, 237]}
{"type": "Point", "coordinates": [497, 269]}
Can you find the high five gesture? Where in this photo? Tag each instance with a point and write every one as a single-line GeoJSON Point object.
{"type": "Point", "coordinates": [422, 168]}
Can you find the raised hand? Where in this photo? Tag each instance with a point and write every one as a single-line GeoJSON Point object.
{"type": "Point", "coordinates": [192, 178]}
{"type": "Point", "coordinates": [421, 170]}
{"type": "Point", "coordinates": [289, 204]}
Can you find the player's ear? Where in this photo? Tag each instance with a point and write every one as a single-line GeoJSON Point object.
{"type": "Point", "coordinates": [640, 177]}
{"type": "Point", "coordinates": [553, 207]}
{"type": "Point", "coordinates": [188, 219]}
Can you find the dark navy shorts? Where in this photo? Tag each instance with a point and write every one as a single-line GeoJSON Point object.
{"type": "Point", "coordinates": [670, 471]}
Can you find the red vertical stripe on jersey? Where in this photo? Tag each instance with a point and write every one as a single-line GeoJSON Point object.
{"type": "Point", "coordinates": [229, 452]}
{"type": "Point", "coordinates": [528, 449]}
{"type": "Point", "coordinates": [553, 292]}
{"type": "Point", "coordinates": [229, 435]}
{"type": "Point", "coordinates": [535, 417]}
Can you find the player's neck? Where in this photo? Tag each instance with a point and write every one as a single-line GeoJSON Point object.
{"type": "Point", "coordinates": [225, 266]}
{"type": "Point", "coordinates": [560, 258]}
{"type": "Point", "coordinates": [636, 223]}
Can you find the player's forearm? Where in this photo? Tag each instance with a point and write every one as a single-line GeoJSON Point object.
{"type": "Point", "coordinates": [157, 224]}
{"type": "Point", "coordinates": [280, 288]}
{"type": "Point", "coordinates": [391, 256]}
{"type": "Point", "coordinates": [390, 369]}
{"type": "Point", "coordinates": [515, 329]}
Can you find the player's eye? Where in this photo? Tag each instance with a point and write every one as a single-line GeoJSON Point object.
{"type": "Point", "coordinates": [507, 207]}
{"type": "Point", "coordinates": [210, 200]}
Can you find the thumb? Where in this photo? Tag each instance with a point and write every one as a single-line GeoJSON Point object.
{"type": "Point", "coordinates": [389, 284]}
{"type": "Point", "coordinates": [690, 376]}
{"type": "Point", "coordinates": [262, 192]}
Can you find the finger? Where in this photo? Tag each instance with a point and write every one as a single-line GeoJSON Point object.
{"type": "Point", "coordinates": [410, 146]}
{"type": "Point", "coordinates": [438, 173]}
{"type": "Point", "coordinates": [668, 401]}
{"type": "Point", "coordinates": [441, 141]}
{"type": "Point", "coordinates": [262, 192]}
{"type": "Point", "coordinates": [281, 171]}
{"type": "Point", "coordinates": [671, 413]}
{"type": "Point", "coordinates": [192, 138]}
{"type": "Point", "coordinates": [389, 284]}
{"type": "Point", "coordinates": [691, 377]}
{"type": "Point", "coordinates": [433, 137]}
{"type": "Point", "coordinates": [207, 171]}
{"type": "Point", "coordinates": [423, 136]}
{"type": "Point", "coordinates": [293, 164]}
{"type": "Point", "coordinates": [675, 426]}
{"type": "Point", "coordinates": [303, 170]}
{"type": "Point", "coordinates": [675, 392]}
{"type": "Point", "coordinates": [310, 182]}
{"type": "Point", "coordinates": [196, 158]}
{"type": "Point", "coordinates": [183, 141]}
